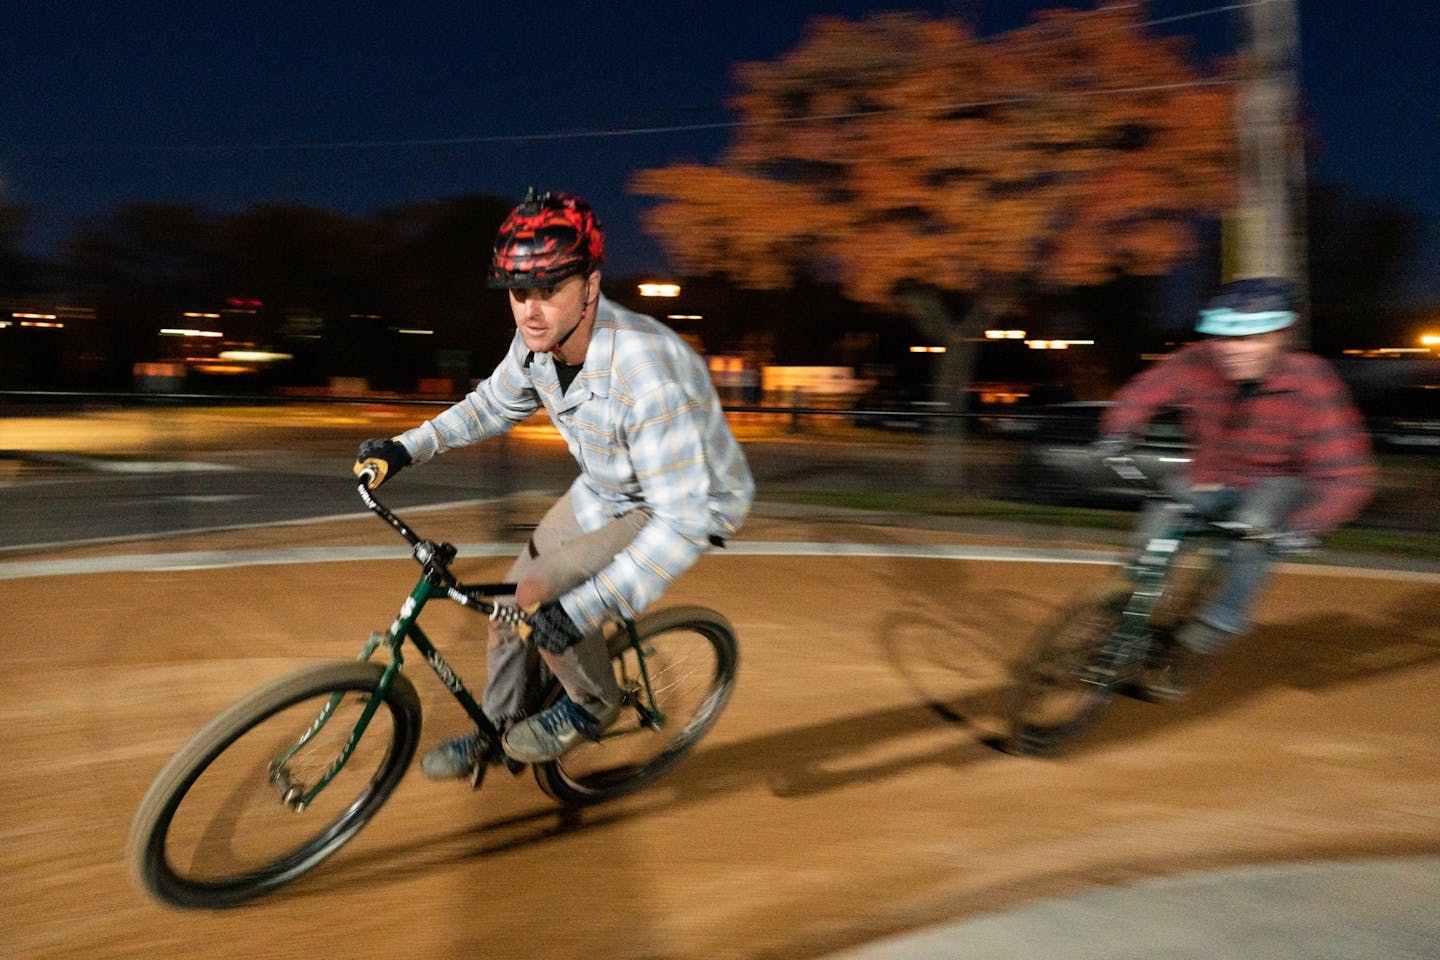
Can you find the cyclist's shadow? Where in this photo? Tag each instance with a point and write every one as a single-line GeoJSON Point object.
{"type": "Point", "coordinates": [807, 760]}
{"type": "Point", "coordinates": [956, 671]}
{"type": "Point", "coordinates": [956, 674]}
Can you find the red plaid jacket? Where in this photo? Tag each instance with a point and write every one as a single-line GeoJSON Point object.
{"type": "Point", "coordinates": [1298, 420]}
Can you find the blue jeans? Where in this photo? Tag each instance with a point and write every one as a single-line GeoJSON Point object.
{"type": "Point", "coordinates": [1246, 562]}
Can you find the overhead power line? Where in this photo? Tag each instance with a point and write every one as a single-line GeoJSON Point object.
{"type": "Point", "coordinates": [658, 130]}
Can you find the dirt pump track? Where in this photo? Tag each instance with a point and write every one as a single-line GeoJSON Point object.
{"type": "Point", "coordinates": [848, 794]}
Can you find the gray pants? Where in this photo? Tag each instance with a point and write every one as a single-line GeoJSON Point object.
{"type": "Point", "coordinates": [564, 556]}
{"type": "Point", "coordinates": [1247, 562]}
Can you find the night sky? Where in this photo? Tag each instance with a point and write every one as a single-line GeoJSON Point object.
{"type": "Point", "coordinates": [360, 106]}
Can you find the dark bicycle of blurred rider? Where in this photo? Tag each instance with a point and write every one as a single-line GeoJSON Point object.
{"type": "Point", "coordinates": [1277, 444]}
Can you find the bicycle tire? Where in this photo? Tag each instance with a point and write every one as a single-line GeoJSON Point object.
{"type": "Point", "coordinates": [691, 656]}
{"type": "Point", "coordinates": [187, 853]}
{"type": "Point", "coordinates": [1051, 704]}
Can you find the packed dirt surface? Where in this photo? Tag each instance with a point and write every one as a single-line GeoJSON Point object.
{"type": "Point", "coordinates": [851, 790]}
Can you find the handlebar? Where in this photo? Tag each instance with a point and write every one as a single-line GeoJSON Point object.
{"type": "Point", "coordinates": [365, 488]}
{"type": "Point", "coordinates": [435, 559]}
{"type": "Point", "coordinates": [1280, 542]}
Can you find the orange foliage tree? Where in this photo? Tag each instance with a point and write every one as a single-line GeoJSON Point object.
{"type": "Point", "coordinates": [917, 164]}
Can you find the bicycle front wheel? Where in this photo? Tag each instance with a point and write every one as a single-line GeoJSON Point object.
{"type": "Point", "coordinates": [1194, 574]}
{"type": "Point", "coordinates": [219, 826]}
{"type": "Point", "coordinates": [680, 679]}
{"type": "Point", "coordinates": [1056, 696]}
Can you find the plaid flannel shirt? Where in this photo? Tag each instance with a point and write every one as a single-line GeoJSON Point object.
{"type": "Point", "coordinates": [1298, 421]}
{"type": "Point", "coordinates": [643, 421]}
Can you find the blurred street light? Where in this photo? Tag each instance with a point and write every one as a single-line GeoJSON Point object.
{"type": "Point", "coordinates": [1057, 344]}
{"type": "Point", "coordinates": [189, 332]}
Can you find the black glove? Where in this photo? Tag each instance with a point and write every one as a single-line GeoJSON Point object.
{"type": "Point", "coordinates": [553, 628]}
{"type": "Point", "coordinates": [385, 457]}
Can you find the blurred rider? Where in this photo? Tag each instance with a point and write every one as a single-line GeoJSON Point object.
{"type": "Point", "coordinates": [1276, 442]}
{"type": "Point", "coordinates": [662, 478]}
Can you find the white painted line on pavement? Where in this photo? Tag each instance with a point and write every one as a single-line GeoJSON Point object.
{"type": "Point", "coordinates": [219, 559]}
{"type": "Point", "coordinates": [102, 465]}
{"type": "Point", "coordinates": [229, 528]}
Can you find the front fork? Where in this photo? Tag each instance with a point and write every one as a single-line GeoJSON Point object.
{"type": "Point", "coordinates": [639, 693]}
{"type": "Point", "coordinates": [296, 794]}
{"type": "Point", "coordinates": [1127, 649]}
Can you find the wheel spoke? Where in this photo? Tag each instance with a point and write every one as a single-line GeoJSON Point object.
{"type": "Point", "coordinates": [221, 824]}
{"type": "Point", "coordinates": [689, 667]}
{"type": "Point", "coordinates": [1070, 679]}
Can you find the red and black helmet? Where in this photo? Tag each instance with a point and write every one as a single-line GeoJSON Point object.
{"type": "Point", "coordinates": [546, 239]}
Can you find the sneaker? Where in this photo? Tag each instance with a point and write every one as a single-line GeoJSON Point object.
{"type": "Point", "coordinates": [461, 758]}
{"type": "Point", "coordinates": [558, 729]}
{"type": "Point", "coordinates": [1205, 637]}
{"type": "Point", "coordinates": [1175, 678]}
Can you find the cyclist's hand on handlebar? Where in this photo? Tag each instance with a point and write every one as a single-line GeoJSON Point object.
{"type": "Point", "coordinates": [1113, 450]}
{"type": "Point", "coordinates": [1293, 543]}
{"type": "Point", "coordinates": [1280, 543]}
{"type": "Point", "coordinates": [383, 458]}
{"type": "Point", "coordinates": [1113, 445]}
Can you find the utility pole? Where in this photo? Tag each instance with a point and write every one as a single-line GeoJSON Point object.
{"type": "Point", "coordinates": [1267, 233]}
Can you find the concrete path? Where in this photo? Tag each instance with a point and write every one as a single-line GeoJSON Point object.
{"type": "Point", "coordinates": [1383, 909]}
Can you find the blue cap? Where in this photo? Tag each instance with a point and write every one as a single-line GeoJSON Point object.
{"type": "Point", "coordinates": [1244, 308]}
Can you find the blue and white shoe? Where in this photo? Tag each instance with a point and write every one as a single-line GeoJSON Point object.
{"type": "Point", "coordinates": [554, 731]}
{"type": "Point", "coordinates": [463, 758]}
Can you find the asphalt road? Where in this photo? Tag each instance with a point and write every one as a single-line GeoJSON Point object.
{"type": "Point", "coordinates": [130, 472]}
{"type": "Point", "coordinates": [152, 471]}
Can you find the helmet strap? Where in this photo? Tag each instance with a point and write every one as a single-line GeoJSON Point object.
{"type": "Point", "coordinates": [561, 342]}
{"type": "Point", "coordinates": [576, 326]}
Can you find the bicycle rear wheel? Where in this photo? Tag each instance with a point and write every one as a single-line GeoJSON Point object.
{"type": "Point", "coordinates": [1055, 697]}
{"type": "Point", "coordinates": [690, 656]}
{"type": "Point", "coordinates": [215, 830]}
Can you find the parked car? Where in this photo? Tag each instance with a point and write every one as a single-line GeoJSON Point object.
{"type": "Point", "coordinates": [1408, 434]}
{"type": "Point", "coordinates": [1058, 466]}
{"type": "Point", "coordinates": [909, 405]}
{"type": "Point", "coordinates": [904, 406]}
{"type": "Point", "coordinates": [1407, 420]}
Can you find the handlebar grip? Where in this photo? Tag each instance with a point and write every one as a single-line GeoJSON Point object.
{"type": "Point", "coordinates": [517, 618]}
{"type": "Point", "coordinates": [371, 471]}
{"type": "Point", "coordinates": [524, 630]}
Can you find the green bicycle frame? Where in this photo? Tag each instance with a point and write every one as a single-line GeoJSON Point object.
{"type": "Point", "coordinates": [1149, 572]}
{"type": "Point", "coordinates": [299, 796]}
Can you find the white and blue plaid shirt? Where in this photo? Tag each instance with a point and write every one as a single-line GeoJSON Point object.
{"type": "Point", "coordinates": [644, 423]}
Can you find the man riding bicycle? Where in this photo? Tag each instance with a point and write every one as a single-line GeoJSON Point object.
{"type": "Point", "coordinates": [1277, 445]}
{"type": "Point", "coordinates": [661, 478]}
